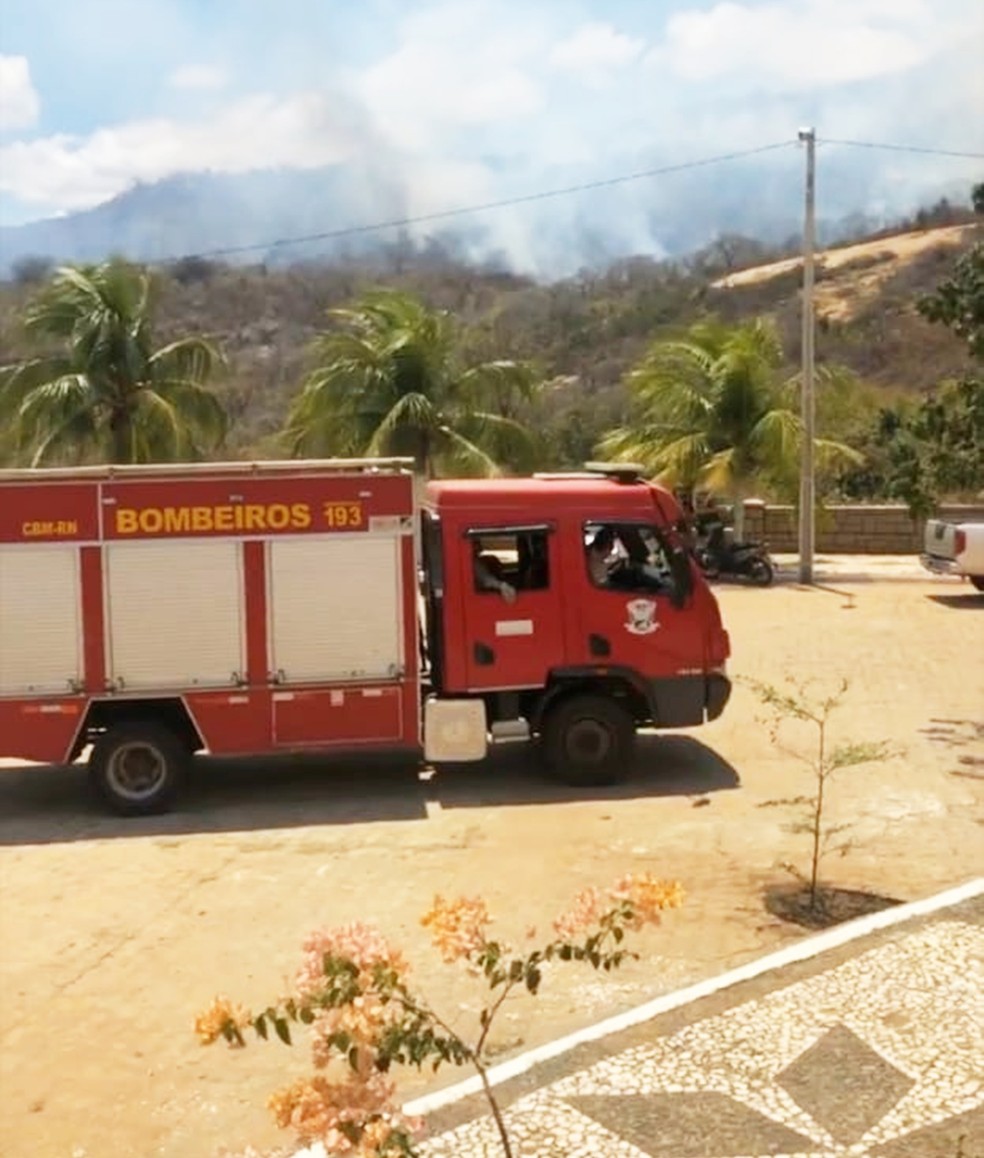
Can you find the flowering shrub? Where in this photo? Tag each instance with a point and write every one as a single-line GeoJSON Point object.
{"type": "Point", "coordinates": [353, 994]}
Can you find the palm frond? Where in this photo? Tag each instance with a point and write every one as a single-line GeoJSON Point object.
{"type": "Point", "coordinates": [193, 359]}
{"type": "Point", "coordinates": [459, 455]}
{"type": "Point", "coordinates": [720, 474]}
{"type": "Point", "coordinates": [159, 432]}
{"type": "Point", "coordinates": [501, 383]}
{"type": "Point", "coordinates": [505, 440]}
{"type": "Point", "coordinates": [68, 439]}
{"type": "Point", "coordinates": [831, 455]}
{"type": "Point", "coordinates": [50, 408]}
{"type": "Point", "coordinates": [196, 408]}
{"type": "Point", "coordinates": [777, 439]}
{"type": "Point", "coordinates": [412, 413]}
{"type": "Point", "coordinates": [18, 379]}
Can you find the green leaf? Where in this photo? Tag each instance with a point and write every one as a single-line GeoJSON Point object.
{"type": "Point", "coordinates": [283, 1030]}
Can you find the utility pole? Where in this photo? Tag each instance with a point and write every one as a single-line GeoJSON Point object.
{"type": "Point", "coordinates": [808, 409]}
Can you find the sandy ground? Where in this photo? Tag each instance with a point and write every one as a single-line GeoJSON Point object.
{"type": "Point", "coordinates": [113, 934]}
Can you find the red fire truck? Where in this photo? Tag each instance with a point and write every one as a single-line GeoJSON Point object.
{"type": "Point", "coordinates": [151, 612]}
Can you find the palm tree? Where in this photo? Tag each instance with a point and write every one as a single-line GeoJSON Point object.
{"type": "Point", "coordinates": [389, 383]}
{"type": "Point", "coordinates": [712, 410]}
{"type": "Point", "coordinates": [99, 390]}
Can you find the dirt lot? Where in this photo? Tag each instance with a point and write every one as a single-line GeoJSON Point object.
{"type": "Point", "coordinates": [113, 934]}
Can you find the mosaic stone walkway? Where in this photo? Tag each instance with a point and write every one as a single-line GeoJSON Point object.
{"type": "Point", "coordinates": [880, 1053]}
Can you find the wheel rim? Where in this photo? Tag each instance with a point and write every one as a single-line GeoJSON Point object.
{"type": "Point", "coordinates": [136, 771]}
{"type": "Point", "coordinates": [589, 742]}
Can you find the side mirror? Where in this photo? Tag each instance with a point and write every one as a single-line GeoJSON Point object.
{"type": "Point", "coordinates": [683, 578]}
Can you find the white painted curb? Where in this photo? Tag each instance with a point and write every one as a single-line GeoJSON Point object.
{"type": "Point", "coordinates": [801, 951]}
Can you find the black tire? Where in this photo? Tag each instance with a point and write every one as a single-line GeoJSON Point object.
{"type": "Point", "coordinates": [978, 581]}
{"type": "Point", "coordinates": [761, 572]}
{"type": "Point", "coordinates": [588, 741]}
{"type": "Point", "coordinates": [136, 768]}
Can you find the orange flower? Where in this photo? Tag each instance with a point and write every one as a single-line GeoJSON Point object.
{"type": "Point", "coordinates": [210, 1023]}
{"type": "Point", "coordinates": [363, 1020]}
{"type": "Point", "coordinates": [649, 897]}
{"type": "Point", "coordinates": [361, 944]}
{"type": "Point", "coordinates": [582, 915]}
{"type": "Point", "coordinates": [330, 1112]}
{"type": "Point", "coordinates": [457, 927]}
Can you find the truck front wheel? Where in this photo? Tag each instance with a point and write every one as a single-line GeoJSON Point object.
{"type": "Point", "coordinates": [588, 740]}
{"type": "Point", "coordinates": [136, 768]}
{"type": "Point", "coordinates": [978, 581]}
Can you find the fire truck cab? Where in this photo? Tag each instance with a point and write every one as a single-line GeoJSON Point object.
{"type": "Point", "coordinates": [567, 604]}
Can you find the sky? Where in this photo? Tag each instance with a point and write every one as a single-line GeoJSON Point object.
{"type": "Point", "coordinates": [471, 99]}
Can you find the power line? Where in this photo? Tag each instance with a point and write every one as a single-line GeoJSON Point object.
{"type": "Point", "coordinates": [353, 230]}
{"type": "Point", "coordinates": [586, 186]}
{"type": "Point", "coordinates": [901, 148]}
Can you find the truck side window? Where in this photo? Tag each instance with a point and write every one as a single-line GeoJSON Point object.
{"type": "Point", "coordinates": [627, 557]}
{"type": "Point", "coordinates": [519, 559]}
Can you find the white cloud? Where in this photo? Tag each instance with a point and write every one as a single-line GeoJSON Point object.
{"type": "Point", "coordinates": [804, 43]}
{"type": "Point", "coordinates": [19, 104]}
{"type": "Point", "coordinates": [594, 51]}
{"type": "Point", "coordinates": [62, 172]}
{"type": "Point", "coordinates": [457, 66]}
{"type": "Point", "coordinates": [198, 76]}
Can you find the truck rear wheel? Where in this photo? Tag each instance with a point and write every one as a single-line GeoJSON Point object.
{"type": "Point", "coordinates": [136, 768]}
{"type": "Point", "coordinates": [588, 740]}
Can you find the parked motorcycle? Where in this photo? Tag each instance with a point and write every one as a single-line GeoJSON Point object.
{"type": "Point", "coordinates": [719, 555]}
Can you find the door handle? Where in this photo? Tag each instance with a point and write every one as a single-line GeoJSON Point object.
{"type": "Point", "coordinates": [598, 645]}
{"type": "Point", "coordinates": [484, 654]}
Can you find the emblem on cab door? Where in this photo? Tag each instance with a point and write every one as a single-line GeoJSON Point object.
{"type": "Point", "coordinates": [642, 617]}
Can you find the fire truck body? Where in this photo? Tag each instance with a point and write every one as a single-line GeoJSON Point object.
{"type": "Point", "coordinates": [152, 612]}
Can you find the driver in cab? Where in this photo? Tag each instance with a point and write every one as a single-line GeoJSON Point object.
{"type": "Point", "coordinates": [599, 556]}
{"type": "Point", "coordinates": [628, 560]}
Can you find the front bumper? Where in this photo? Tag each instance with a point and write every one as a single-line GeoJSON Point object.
{"type": "Point", "coordinates": [940, 566]}
{"type": "Point", "coordinates": [686, 701]}
{"type": "Point", "coordinates": [718, 694]}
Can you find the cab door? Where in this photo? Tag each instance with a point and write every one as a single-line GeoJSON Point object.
{"type": "Point", "coordinates": [629, 619]}
{"type": "Point", "coordinates": [511, 601]}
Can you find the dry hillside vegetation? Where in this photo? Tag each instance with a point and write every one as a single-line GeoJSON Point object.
{"type": "Point", "coordinates": [851, 276]}
{"type": "Point", "coordinates": [582, 333]}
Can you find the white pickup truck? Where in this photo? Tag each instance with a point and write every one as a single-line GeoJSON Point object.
{"type": "Point", "coordinates": [955, 549]}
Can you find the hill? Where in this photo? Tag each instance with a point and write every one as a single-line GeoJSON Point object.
{"type": "Point", "coordinates": [850, 276]}
{"type": "Point", "coordinates": [583, 332]}
{"type": "Point", "coordinates": [864, 297]}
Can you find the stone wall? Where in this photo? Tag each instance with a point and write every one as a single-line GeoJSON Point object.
{"type": "Point", "coordinates": [850, 530]}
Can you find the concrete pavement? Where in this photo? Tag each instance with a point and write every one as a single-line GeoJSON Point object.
{"type": "Point", "coordinates": [866, 1040]}
{"type": "Point", "coordinates": [864, 568]}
